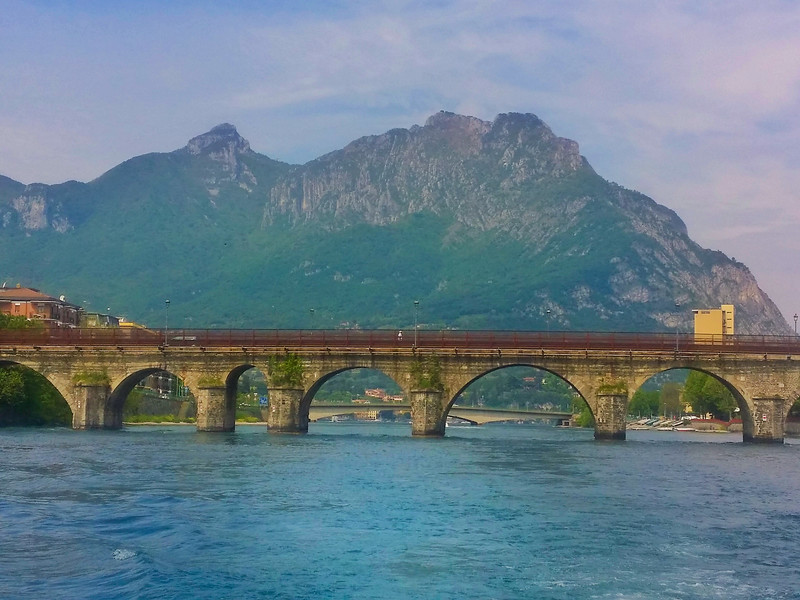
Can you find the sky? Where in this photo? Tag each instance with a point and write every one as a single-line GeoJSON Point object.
{"type": "Point", "coordinates": [696, 103]}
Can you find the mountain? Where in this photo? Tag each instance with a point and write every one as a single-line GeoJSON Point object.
{"type": "Point", "coordinates": [496, 224]}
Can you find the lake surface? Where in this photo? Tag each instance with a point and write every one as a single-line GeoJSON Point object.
{"type": "Point", "coordinates": [366, 511]}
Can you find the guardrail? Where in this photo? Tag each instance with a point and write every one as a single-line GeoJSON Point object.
{"type": "Point", "coordinates": [391, 339]}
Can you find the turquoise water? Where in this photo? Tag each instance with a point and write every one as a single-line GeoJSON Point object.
{"type": "Point", "coordinates": [367, 511]}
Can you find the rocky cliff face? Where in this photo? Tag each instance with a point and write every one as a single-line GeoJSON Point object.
{"type": "Point", "coordinates": [496, 224]}
{"type": "Point", "coordinates": [35, 208]}
{"type": "Point", "coordinates": [224, 147]}
{"type": "Point", "coordinates": [453, 165]}
{"type": "Point", "coordinates": [515, 178]}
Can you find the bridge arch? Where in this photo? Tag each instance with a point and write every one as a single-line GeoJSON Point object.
{"type": "Point", "coordinates": [764, 397]}
{"type": "Point", "coordinates": [121, 388]}
{"type": "Point", "coordinates": [511, 365]}
{"type": "Point", "coordinates": [738, 395]}
{"type": "Point", "coordinates": [233, 383]}
{"type": "Point", "coordinates": [43, 403]}
{"type": "Point", "coordinates": [326, 376]}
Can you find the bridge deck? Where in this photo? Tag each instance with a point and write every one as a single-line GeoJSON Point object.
{"type": "Point", "coordinates": [382, 339]}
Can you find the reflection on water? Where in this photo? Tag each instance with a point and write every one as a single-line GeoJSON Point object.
{"type": "Point", "coordinates": [367, 511]}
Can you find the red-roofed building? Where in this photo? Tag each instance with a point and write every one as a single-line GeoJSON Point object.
{"type": "Point", "coordinates": [34, 305]}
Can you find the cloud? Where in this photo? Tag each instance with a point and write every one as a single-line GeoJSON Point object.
{"type": "Point", "coordinates": [692, 103]}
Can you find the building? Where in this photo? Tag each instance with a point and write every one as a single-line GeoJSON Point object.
{"type": "Point", "coordinates": [713, 323]}
{"type": "Point", "coordinates": [91, 319]}
{"type": "Point", "coordinates": [36, 306]}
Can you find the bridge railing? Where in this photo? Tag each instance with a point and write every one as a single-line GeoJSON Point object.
{"type": "Point", "coordinates": [392, 339]}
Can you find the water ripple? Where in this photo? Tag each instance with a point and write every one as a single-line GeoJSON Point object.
{"type": "Point", "coordinates": [368, 512]}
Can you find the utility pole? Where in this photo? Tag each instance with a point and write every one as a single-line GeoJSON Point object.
{"type": "Point", "coordinates": [416, 311]}
{"type": "Point", "coordinates": [166, 321]}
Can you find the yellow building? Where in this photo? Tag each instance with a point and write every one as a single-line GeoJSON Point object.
{"type": "Point", "coordinates": [713, 323]}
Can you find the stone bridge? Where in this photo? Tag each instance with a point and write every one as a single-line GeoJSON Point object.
{"type": "Point", "coordinates": [95, 370]}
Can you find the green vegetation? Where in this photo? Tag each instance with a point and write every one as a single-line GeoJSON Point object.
{"type": "Point", "coordinates": [671, 400]}
{"type": "Point", "coordinates": [210, 381]}
{"type": "Point", "coordinates": [244, 416]}
{"type": "Point", "coordinates": [672, 393]}
{"type": "Point", "coordinates": [286, 372]}
{"type": "Point", "coordinates": [651, 402]}
{"type": "Point", "coordinates": [585, 417]}
{"type": "Point", "coordinates": [519, 387]}
{"type": "Point", "coordinates": [144, 405]}
{"type": "Point", "coordinates": [613, 387]}
{"type": "Point", "coordinates": [794, 412]}
{"type": "Point", "coordinates": [349, 385]}
{"type": "Point", "coordinates": [477, 247]}
{"type": "Point", "coordinates": [706, 394]}
{"type": "Point", "coordinates": [17, 322]}
{"type": "Point", "coordinates": [27, 398]}
{"type": "Point", "coordinates": [645, 403]}
{"type": "Point", "coordinates": [426, 373]}
{"type": "Point", "coordinates": [93, 378]}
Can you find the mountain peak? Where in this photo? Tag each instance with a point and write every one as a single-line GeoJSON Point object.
{"type": "Point", "coordinates": [223, 137]}
{"type": "Point", "coordinates": [450, 119]}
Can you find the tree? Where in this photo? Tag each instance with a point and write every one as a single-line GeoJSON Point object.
{"type": "Point", "coordinates": [645, 403]}
{"type": "Point", "coordinates": [519, 386]}
{"type": "Point", "coordinates": [795, 410]}
{"type": "Point", "coordinates": [27, 398]}
{"type": "Point", "coordinates": [16, 322]}
{"type": "Point", "coordinates": [671, 399]}
{"type": "Point", "coordinates": [12, 396]}
{"type": "Point", "coordinates": [585, 417]}
{"type": "Point", "coordinates": [706, 394]}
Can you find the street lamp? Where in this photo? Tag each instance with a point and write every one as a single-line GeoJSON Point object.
{"type": "Point", "coordinates": [795, 323]}
{"type": "Point", "coordinates": [416, 311]}
{"type": "Point", "coordinates": [166, 320]}
{"type": "Point", "coordinates": [677, 324]}
{"type": "Point", "coordinates": [548, 322]}
{"type": "Point", "coordinates": [311, 312]}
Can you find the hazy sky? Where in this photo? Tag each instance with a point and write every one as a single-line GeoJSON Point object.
{"type": "Point", "coordinates": [696, 103]}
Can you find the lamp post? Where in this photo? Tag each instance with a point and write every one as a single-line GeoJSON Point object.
{"type": "Point", "coordinates": [677, 325]}
{"type": "Point", "coordinates": [548, 322]}
{"type": "Point", "coordinates": [416, 311]}
{"type": "Point", "coordinates": [311, 312]}
{"type": "Point", "coordinates": [166, 320]}
{"type": "Point", "coordinates": [795, 323]}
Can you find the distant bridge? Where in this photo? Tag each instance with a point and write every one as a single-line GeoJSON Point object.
{"type": "Point", "coordinates": [474, 414]}
{"type": "Point", "coordinates": [95, 369]}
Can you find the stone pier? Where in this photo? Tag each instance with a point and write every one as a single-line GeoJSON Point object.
{"type": "Point", "coordinates": [427, 414]}
{"type": "Point", "coordinates": [90, 407]}
{"type": "Point", "coordinates": [214, 412]}
{"type": "Point", "coordinates": [767, 422]}
{"type": "Point", "coordinates": [609, 416]}
{"type": "Point", "coordinates": [285, 414]}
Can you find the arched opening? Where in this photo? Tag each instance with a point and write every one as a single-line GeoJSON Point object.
{"type": "Point", "coordinates": [521, 394]}
{"type": "Point", "coordinates": [153, 396]}
{"type": "Point", "coordinates": [247, 392]}
{"type": "Point", "coordinates": [792, 427]}
{"type": "Point", "coordinates": [27, 398]}
{"type": "Point", "coordinates": [357, 394]}
{"type": "Point", "coordinates": [687, 399]}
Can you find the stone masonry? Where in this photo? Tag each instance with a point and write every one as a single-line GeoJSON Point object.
{"type": "Point", "coordinates": [764, 385]}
